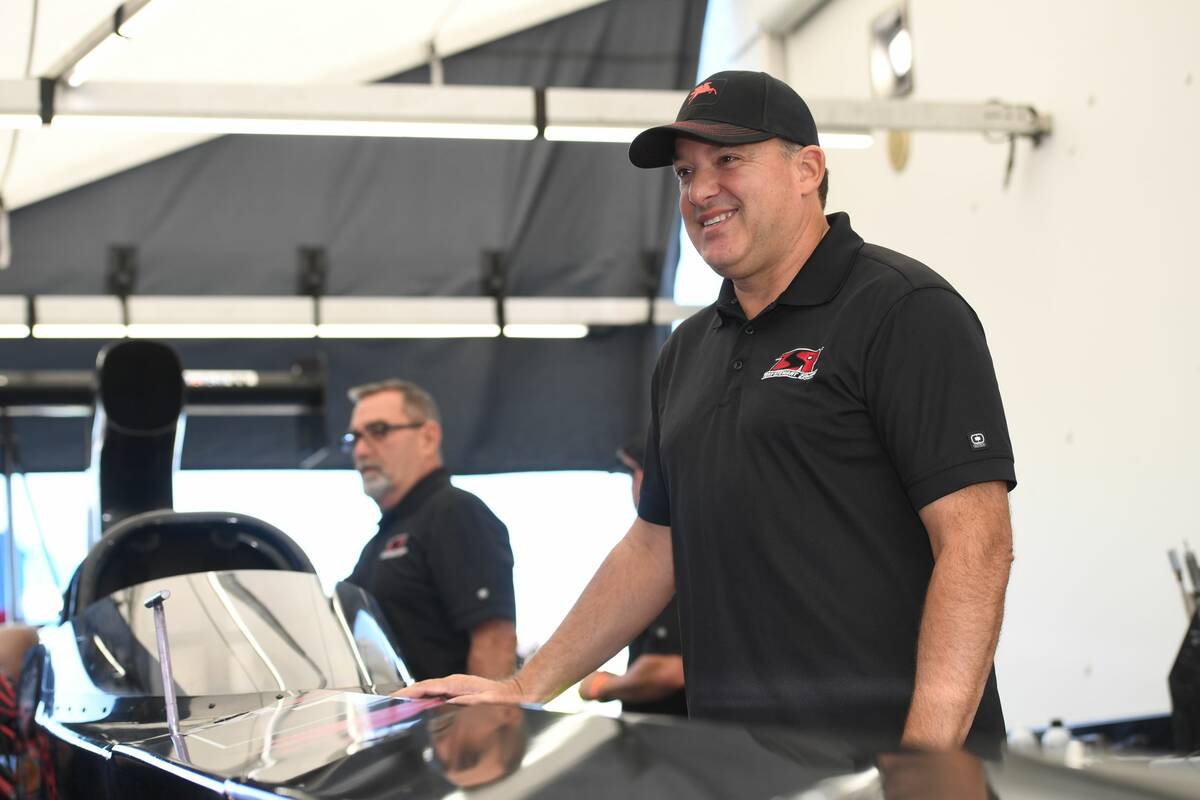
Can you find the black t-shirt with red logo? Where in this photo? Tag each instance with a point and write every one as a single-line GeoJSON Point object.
{"type": "Point", "coordinates": [790, 456]}
{"type": "Point", "coordinates": [440, 565]}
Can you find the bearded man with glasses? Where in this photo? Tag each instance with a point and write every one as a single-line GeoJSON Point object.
{"type": "Point", "coordinates": [440, 565]}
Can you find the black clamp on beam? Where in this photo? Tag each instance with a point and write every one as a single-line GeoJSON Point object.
{"type": "Point", "coordinates": [121, 279]}
{"type": "Point", "coordinates": [46, 88]}
{"type": "Point", "coordinates": [312, 275]}
{"type": "Point", "coordinates": [539, 111]}
{"type": "Point", "coordinates": [495, 283]}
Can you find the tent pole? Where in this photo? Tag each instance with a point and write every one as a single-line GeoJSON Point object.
{"type": "Point", "coordinates": [9, 575]}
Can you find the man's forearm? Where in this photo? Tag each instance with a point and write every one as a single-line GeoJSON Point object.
{"type": "Point", "coordinates": [959, 630]}
{"type": "Point", "coordinates": [632, 586]}
{"type": "Point", "coordinates": [960, 626]}
{"type": "Point", "coordinates": [493, 649]}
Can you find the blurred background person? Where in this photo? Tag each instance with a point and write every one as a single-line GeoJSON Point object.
{"type": "Point", "coordinates": [441, 564]}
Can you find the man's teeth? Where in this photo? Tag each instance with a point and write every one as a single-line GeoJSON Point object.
{"type": "Point", "coordinates": [718, 218]}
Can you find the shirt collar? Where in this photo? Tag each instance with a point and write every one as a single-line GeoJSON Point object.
{"type": "Point", "coordinates": [818, 281]}
{"type": "Point", "coordinates": [418, 494]}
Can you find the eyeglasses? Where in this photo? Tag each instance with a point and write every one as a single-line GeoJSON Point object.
{"type": "Point", "coordinates": [374, 432]}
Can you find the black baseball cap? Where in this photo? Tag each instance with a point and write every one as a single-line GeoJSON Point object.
{"type": "Point", "coordinates": [733, 107]}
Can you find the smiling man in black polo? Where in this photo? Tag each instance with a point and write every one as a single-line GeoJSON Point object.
{"type": "Point", "coordinates": [827, 467]}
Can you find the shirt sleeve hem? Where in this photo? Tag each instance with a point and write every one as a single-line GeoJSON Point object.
{"type": "Point", "coordinates": [951, 479]}
{"type": "Point", "coordinates": [653, 518]}
{"type": "Point", "coordinates": [468, 622]}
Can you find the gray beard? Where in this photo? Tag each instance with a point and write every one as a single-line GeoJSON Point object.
{"type": "Point", "coordinates": [376, 486]}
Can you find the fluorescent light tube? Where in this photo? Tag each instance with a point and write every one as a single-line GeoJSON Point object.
{"type": "Point", "coordinates": [591, 133]}
{"type": "Point", "coordinates": [220, 377]}
{"type": "Point", "coordinates": [218, 330]}
{"type": "Point", "coordinates": [13, 331]}
{"type": "Point", "coordinates": [354, 330]}
{"type": "Point", "coordinates": [294, 127]}
{"type": "Point", "coordinates": [80, 330]}
{"type": "Point", "coordinates": [545, 331]}
{"type": "Point", "coordinates": [86, 67]}
{"type": "Point", "coordinates": [386, 110]}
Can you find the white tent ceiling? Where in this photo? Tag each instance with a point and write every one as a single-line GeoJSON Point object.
{"type": "Point", "coordinates": [229, 41]}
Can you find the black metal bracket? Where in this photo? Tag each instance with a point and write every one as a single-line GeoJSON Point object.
{"type": "Point", "coordinates": [495, 283]}
{"type": "Point", "coordinates": [46, 88]}
{"type": "Point", "coordinates": [312, 275]}
{"type": "Point", "coordinates": [539, 111]}
{"type": "Point", "coordinates": [122, 275]}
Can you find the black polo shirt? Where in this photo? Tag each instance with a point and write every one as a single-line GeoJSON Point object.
{"type": "Point", "coordinates": [661, 638]}
{"type": "Point", "coordinates": [790, 455]}
{"type": "Point", "coordinates": [439, 566]}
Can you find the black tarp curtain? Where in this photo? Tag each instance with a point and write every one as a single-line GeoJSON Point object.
{"type": "Point", "coordinates": [398, 217]}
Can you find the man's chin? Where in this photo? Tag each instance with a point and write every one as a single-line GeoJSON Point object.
{"type": "Point", "coordinates": [376, 488]}
{"type": "Point", "coordinates": [719, 261]}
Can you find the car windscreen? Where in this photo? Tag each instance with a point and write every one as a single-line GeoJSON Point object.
{"type": "Point", "coordinates": [236, 632]}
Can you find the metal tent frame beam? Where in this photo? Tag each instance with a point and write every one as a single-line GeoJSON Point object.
{"type": "Point", "coordinates": [450, 111]}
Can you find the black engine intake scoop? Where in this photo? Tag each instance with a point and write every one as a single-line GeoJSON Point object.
{"type": "Point", "coordinates": [135, 436]}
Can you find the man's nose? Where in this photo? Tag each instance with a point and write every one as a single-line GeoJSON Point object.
{"type": "Point", "coordinates": [361, 448]}
{"type": "Point", "coordinates": [703, 187]}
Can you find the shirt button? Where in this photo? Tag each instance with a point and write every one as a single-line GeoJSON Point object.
{"type": "Point", "coordinates": [749, 330]}
{"type": "Point", "coordinates": [737, 364]}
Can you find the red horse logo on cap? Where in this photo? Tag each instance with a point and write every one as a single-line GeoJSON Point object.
{"type": "Point", "coordinates": [704, 88]}
{"type": "Point", "coordinates": [799, 364]}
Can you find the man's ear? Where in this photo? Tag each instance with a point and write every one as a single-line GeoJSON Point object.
{"type": "Point", "coordinates": [810, 164]}
{"type": "Point", "coordinates": [431, 436]}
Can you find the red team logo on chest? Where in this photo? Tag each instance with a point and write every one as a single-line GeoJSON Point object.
{"type": "Point", "coordinates": [395, 547]}
{"type": "Point", "coordinates": [799, 364]}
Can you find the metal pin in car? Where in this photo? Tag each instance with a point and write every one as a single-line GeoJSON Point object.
{"type": "Point", "coordinates": [155, 602]}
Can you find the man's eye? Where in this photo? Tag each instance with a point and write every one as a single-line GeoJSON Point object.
{"type": "Point", "coordinates": [682, 172]}
{"type": "Point", "coordinates": [728, 158]}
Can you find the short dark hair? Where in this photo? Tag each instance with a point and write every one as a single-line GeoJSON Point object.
{"type": "Point", "coordinates": [418, 403]}
{"type": "Point", "coordinates": [789, 151]}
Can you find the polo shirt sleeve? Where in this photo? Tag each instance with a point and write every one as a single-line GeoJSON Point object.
{"type": "Point", "coordinates": [931, 391]}
{"type": "Point", "coordinates": [654, 503]}
{"type": "Point", "coordinates": [472, 563]}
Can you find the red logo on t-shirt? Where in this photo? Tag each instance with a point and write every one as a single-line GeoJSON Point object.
{"type": "Point", "coordinates": [799, 364]}
{"type": "Point", "coordinates": [394, 547]}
